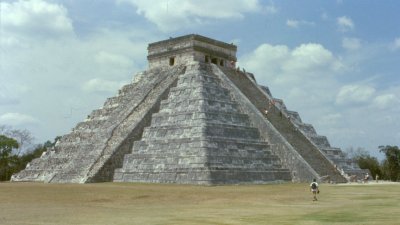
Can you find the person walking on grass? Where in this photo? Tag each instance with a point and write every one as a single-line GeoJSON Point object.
{"type": "Point", "coordinates": [314, 189]}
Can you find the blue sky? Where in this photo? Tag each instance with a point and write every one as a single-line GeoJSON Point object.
{"type": "Point", "coordinates": [335, 62]}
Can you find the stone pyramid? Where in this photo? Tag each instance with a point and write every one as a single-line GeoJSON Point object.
{"type": "Point", "coordinates": [193, 118]}
{"type": "Point", "coordinates": [200, 135]}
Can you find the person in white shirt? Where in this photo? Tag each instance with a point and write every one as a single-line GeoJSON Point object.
{"type": "Point", "coordinates": [314, 189]}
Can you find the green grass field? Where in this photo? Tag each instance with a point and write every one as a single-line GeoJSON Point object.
{"type": "Point", "coordinates": [125, 203]}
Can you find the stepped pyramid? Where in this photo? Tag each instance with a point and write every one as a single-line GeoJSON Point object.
{"type": "Point", "coordinates": [191, 118]}
{"type": "Point", "coordinates": [200, 135]}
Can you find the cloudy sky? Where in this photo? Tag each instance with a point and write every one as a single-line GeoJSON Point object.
{"type": "Point", "coordinates": [335, 62]}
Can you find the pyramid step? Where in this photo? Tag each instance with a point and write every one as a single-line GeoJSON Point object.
{"type": "Point", "coordinates": [113, 102]}
{"type": "Point", "coordinates": [220, 146]}
{"type": "Point", "coordinates": [189, 92]}
{"type": "Point", "coordinates": [190, 79]}
{"type": "Point", "coordinates": [48, 163]}
{"type": "Point", "coordinates": [207, 130]}
{"type": "Point", "coordinates": [307, 128]}
{"type": "Point", "coordinates": [68, 178]}
{"type": "Point", "coordinates": [95, 126]}
{"type": "Point", "coordinates": [199, 100]}
{"type": "Point", "coordinates": [199, 105]}
{"type": "Point", "coordinates": [196, 84]}
{"type": "Point", "coordinates": [186, 90]}
{"type": "Point", "coordinates": [205, 176]}
{"type": "Point", "coordinates": [102, 112]}
{"type": "Point", "coordinates": [81, 136]}
{"type": "Point", "coordinates": [194, 118]}
{"type": "Point", "coordinates": [320, 141]}
{"type": "Point", "coordinates": [294, 116]}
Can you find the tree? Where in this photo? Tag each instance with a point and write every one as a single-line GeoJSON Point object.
{"type": "Point", "coordinates": [391, 165]}
{"type": "Point", "coordinates": [6, 158]}
{"type": "Point", "coordinates": [16, 150]}
{"type": "Point", "coordinates": [22, 160]}
{"type": "Point", "coordinates": [370, 163]}
{"type": "Point", "coordinates": [23, 137]}
{"type": "Point", "coordinates": [365, 160]}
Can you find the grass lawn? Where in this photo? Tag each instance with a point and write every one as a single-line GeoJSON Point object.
{"type": "Point", "coordinates": [128, 203]}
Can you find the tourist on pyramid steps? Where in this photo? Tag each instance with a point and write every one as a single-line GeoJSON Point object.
{"type": "Point", "coordinates": [314, 189]}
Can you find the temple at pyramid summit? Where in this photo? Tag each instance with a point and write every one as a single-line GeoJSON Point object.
{"type": "Point", "coordinates": [192, 118]}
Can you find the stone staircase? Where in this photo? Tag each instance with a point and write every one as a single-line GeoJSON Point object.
{"type": "Point", "coordinates": [200, 136]}
{"type": "Point", "coordinates": [279, 118]}
{"type": "Point", "coordinates": [96, 146]}
{"type": "Point", "coordinates": [347, 167]}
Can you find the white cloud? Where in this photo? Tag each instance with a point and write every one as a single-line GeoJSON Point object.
{"type": "Point", "coordinates": [306, 78]}
{"type": "Point", "coordinates": [306, 59]}
{"type": "Point", "coordinates": [16, 119]}
{"type": "Point", "coordinates": [267, 58]}
{"type": "Point", "coordinates": [50, 78]}
{"type": "Point", "coordinates": [174, 14]}
{"type": "Point", "coordinates": [35, 18]}
{"type": "Point", "coordinates": [330, 119]}
{"type": "Point", "coordinates": [112, 59]}
{"type": "Point", "coordinates": [396, 44]}
{"type": "Point", "coordinates": [385, 101]}
{"type": "Point", "coordinates": [101, 85]}
{"type": "Point", "coordinates": [351, 43]}
{"type": "Point", "coordinates": [292, 23]}
{"type": "Point", "coordinates": [270, 9]}
{"type": "Point", "coordinates": [310, 57]}
{"type": "Point", "coordinates": [345, 23]}
{"type": "Point", "coordinates": [352, 94]}
{"type": "Point", "coordinates": [298, 23]}
{"type": "Point", "coordinates": [303, 76]}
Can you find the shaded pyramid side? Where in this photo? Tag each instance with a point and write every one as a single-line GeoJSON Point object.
{"type": "Point", "coordinates": [346, 166]}
{"type": "Point", "coordinates": [307, 152]}
{"type": "Point", "coordinates": [200, 136]}
{"type": "Point", "coordinates": [96, 146]}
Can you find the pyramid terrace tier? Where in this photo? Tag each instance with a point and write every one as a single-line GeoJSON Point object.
{"type": "Point", "coordinates": [205, 176]}
{"type": "Point", "coordinates": [225, 145]}
{"type": "Point", "coordinates": [190, 118]}
{"type": "Point", "coordinates": [159, 162]}
{"type": "Point", "coordinates": [200, 76]}
{"type": "Point", "coordinates": [211, 92]}
{"type": "Point", "coordinates": [201, 104]}
{"type": "Point", "coordinates": [207, 130]}
{"type": "Point", "coordinates": [185, 160]}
